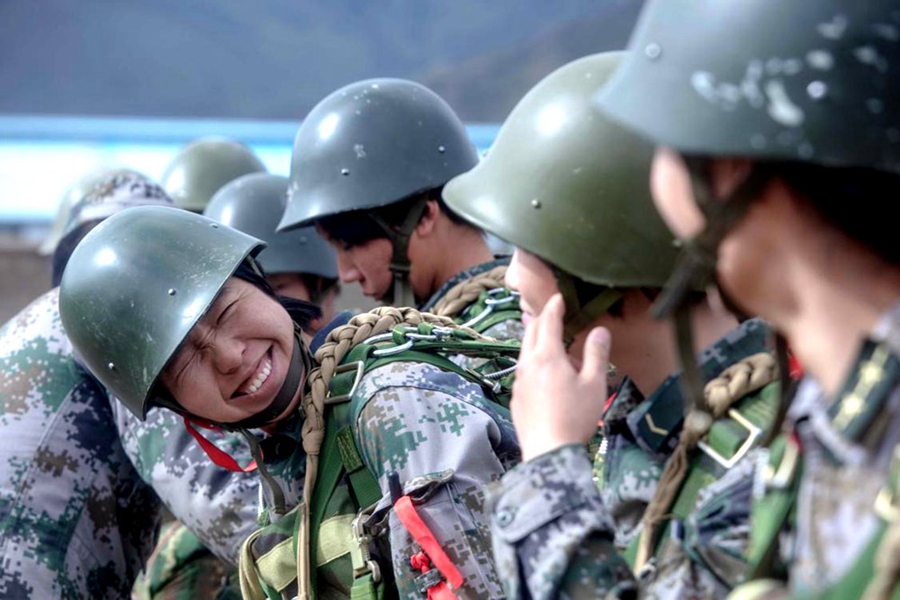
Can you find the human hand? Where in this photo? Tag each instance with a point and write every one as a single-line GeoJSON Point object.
{"type": "Point", "coordinates": [553, 402]}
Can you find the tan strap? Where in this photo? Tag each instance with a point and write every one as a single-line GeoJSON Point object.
{"type": "Point", "coordinates": [466, 292]}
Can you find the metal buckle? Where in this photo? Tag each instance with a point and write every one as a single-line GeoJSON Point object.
{"type": "Point", "coordinates": [754, 434]}
{"type": "Point", "coordinates": [360, 370]}
{"type": "Point", "coordinates": [782, 477]}
{"type": "Point", "coordinates": [886, 505]}
{"type": "Point", "coordinates": [360, 557]}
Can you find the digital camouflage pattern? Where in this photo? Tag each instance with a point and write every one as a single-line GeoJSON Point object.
{"type": "Point", "coordinates": [557, 535]}
{"type": "Point", "coordinates": [218, 505]}
{"type": "Point", "coordinates": [843, 470]}
{"type": "Point", "coordinates": [76, 521]}
{"type": "Point", "coordinates": [447, 443]}
{"type": "Point", "coordinates": [182, 568]}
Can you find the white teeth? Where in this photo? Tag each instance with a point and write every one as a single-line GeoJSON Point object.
{"type": "Point", "coordinates": [260, 378]}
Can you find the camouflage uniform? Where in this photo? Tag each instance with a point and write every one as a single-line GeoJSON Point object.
{"type": "Point", "coordinates": [218, 505]}
{"type": "Point", "coordinates": [847, 450]}
{"type": "Point", "coordinates": [555, 535]}
{"type": "Point", "coordinates": [446, 442]}
{"type": "Point", "coordinates": [77, 521]}
{"type": "Point", "coordinates": [510, 329]}
{"type": "Point", "coordinates": [181, 567]}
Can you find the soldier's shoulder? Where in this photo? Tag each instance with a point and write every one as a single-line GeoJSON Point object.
{"type": "Point", "coordinates": [37, 321]}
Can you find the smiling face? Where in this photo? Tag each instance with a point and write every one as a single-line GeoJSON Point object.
{"type": "Point", "coordinates": [233, 362]}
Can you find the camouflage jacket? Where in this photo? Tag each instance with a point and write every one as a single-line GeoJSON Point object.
{"type": "Point", "coordinates": [76, 521]}
{"type": "Point", "coordinates": [509, 329]}
{"type": "Point", "coordinates": [557, 535]}
{"type": "Point", "coordinates": [218, 505]}
{"type": "Point", "coordinates": [446, 442]}
{"type": "Point", "coordinates": [848, 442]}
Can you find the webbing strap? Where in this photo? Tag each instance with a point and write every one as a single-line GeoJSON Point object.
{"type": "Point", "coordinates": [400, 265]}
{"type": "Point", "coordinates": [423, 536]}
{"type": "Point", "coordinates": [771, 511]}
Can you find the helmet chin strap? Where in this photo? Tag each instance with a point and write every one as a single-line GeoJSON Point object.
{"type": "Point", "coordinates": [299, 367]}
{"type": "Point", "coordinates": [695, 268]}
{"type": "Point", "coordinates": [400, 263]}
{"type": "Point", "coordinates": [580, 315]}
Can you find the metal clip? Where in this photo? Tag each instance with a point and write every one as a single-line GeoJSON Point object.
{"type": "Point", "coordinates": [754, 434]}
{"type": "Point", "coordinates": [360, 370]}
{"type": "Point", "coordinates": [782, 477]}
{"type": "Point", "coordinates": [360, 556]}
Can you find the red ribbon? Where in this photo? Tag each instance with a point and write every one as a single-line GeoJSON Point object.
{"type": "Point", "coordinates": [420, 532]}
{"type": "Point", "coordinates": [218, 456]}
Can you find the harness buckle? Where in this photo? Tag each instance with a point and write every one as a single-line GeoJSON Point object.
{"type": "Point", "coordinates": [782, 477]}
{"type": "Point", "coordinates": [360, 370]}
{"type": "Point", "coordinates": [754, 434]}
{"type": "Point", "coordinates": [360, 557]}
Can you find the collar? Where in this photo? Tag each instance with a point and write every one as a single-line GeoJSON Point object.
{"type": "Point", "coordinates": [462, 276]}
{"type": "Point", "coordinates": [655, 423]}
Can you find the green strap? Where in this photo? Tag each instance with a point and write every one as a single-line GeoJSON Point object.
{"type": "Point", "coordinates": [726, 438]}
{"type": "Point", "coordinates": [771, 512]}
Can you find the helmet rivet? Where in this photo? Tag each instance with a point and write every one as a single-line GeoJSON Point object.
{"type": "Point", "coordinates": [653, 51]}
{"type": "Point", "coordinates": [441, 149]}
{"type": "Point", "coordinates": [172, 291]}
{"type": "Point", "coordinates": [214, 225]}
{"type": "Point", "coordinates": [536, 203]}
{"type": "Point", "coordinates": [111, 366]}
{"type": "Point", "coordinates": [345, 172]}
{"type": "Point", "coordinates": [817, 90]}
{"type": "Point", "coordinates": [875, 106]}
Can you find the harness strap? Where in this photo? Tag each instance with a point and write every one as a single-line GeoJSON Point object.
{"type": "Point", "coordinates": [422, 534]}
{"type": "Point", "coordinates": [215, 454]}
{"type": "Point", "coordinates": [400, 264]}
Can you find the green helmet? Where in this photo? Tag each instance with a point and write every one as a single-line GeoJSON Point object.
{"type": "Point", "coordinates": [254, 204]}
{"type": "Point", "coordinates": [570, 186]}
{"type": "Point", "coordinates": [814, 81]}
{"type": "Point", "coordinates": [135, 287]}
{"type": "Point", "coordinates": [75, 192]}
{"type": "Point", "coordinates": [370, 144]}
{"type": "Point", "coordinates": [203, 166]}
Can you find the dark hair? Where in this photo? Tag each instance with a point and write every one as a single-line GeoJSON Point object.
{"type": "Point", "coordinates": [300, 311]}
{"type": "Point", "coordinates": [318, 286]}
{"type": "Point", "coordinates": [854, 200]}
{"type": "Point", "coordinates": [358, 227]}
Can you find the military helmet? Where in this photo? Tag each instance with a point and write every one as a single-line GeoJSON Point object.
{"type": "Point", "coordinates": [815, 82]}
{"type": "Point", "coordinates": [254, 204]}
{"type": "Point", "coordinates": [117, 191]}
{"type": "Point", "coordinates": [135, 287]}
{"type": "Point", "coordinates": [72, 194]}
{"type": "Point", "coordinates": [570, 186]}
{"type": "Point", "coordinates": [370, 144]}
{"type": "Point", "coordinates": [205, 165]}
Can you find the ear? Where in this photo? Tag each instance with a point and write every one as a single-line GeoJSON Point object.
{"type": "Point", "coordinates": [428, 222]}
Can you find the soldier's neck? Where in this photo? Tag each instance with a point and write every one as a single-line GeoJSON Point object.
{"type": "Point", "coordinates": [452, 250]}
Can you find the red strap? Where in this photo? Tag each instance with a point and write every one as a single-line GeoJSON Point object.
{"type": "Point", "coordinates": [440, 590]}
{"type": "Point", "coordinates": [420, 532]}
{"type": "Point", "coordinates": [218, 456]}
{"type": "Point", "coordinates": [794, 367]}
{"type": "Point", "coordinates": [609, 401]}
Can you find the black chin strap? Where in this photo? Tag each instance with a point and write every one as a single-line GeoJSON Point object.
{"type": "Point", "coordinates": [695, 269]}
{"type": "Point", "coordinates": [400, 263]}
{"type": "Point", "coordinates": [299, 367]}
{"type": "Point", "coordinates": [580, 315]}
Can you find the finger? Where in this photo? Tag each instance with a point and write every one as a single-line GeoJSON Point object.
{"type": "Point", "coordinates": [529, 340]}
{"type": "Point", "coordinates": [551, 322]}
{"type": "Point", "coordinates": [595, 356]}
